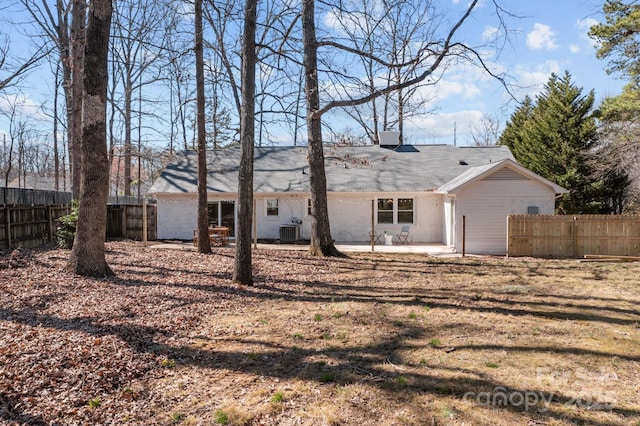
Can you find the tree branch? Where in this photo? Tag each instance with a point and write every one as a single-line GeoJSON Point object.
{"type": "Point", "coordinates": [446, 48]}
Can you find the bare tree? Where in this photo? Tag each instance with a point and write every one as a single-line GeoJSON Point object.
{"type": "Point", "coordinates": [397, 32]}
{"type": "Point", "coordinates": [17, 128]}
{"type": "Point", "coordinates": [136, 45]}
{"type": "Point", "coordinates": [321, 241]}
{"type": "Point", "coordinates": [13, 69]}
{"type": "Point", "coordinates": [88, 253]}
{"type": "Point", "coordinates": [430, 58]}
{"type": "Point", "coordinates": [242, 266]}
{"type": "Point", "coordinates": [68, 39]}
{"type": "Point", "coordinates": [76, 42]}
{"type": "Point", "coordinates": [204, 245]}
{"type": "Point", "coordinates": [486, 132]}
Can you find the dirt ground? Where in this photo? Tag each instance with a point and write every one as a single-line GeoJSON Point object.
{"type": "Point", "coordinates": [393, 339]}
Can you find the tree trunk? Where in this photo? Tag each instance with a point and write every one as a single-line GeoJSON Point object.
{"type": "Point", "coordinates": [88, 254]}
{"type": "Point", "coordinates": [56, 156]}
{"type": "Point", "coordinates": [127, 131]}
{"type": "Point", "coordinates": [321, 241]}
{"type": "Point", "coordinates": [242, 272]}
{"type": "Point", "coordinates": [204, 245]}
{"type": "Point", "coordinates": [75, 118]}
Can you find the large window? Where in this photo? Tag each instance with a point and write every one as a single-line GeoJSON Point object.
{"type": "Point", "coordinates": [385, 210]}
{"type": "Point", "coordinates": [394, 211]}
{"type": "Point", "coordinates": [405, 210]}
{"type": "Point", "coordinates": [272, 207]}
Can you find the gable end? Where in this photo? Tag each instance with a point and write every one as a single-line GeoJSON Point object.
{"type": "Point", "coordinates": [506, 173]}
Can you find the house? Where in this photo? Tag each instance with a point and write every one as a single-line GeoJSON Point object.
{"type": "Point", "coordinates": [430, 188]}
{"type": "Point", "coordinates": [32, 180]}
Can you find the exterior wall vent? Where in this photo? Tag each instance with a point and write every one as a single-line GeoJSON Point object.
{"type": "Point", "coordinates": [506, 174]}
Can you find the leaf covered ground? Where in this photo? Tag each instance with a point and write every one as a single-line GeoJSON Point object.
{"type": "Point", "coordinates": [372, 339]}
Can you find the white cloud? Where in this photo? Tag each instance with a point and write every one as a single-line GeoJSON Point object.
{"type": "Point", "coordinates": [23, 105]}
{"type": "Point", "coordinates": [489, 33]}
{"type": "Point", "coordinates": [584, 25]}
{"type": "Point", "coordinates": [531, 81]}
{"type": "Point", "coordinates": [441, 128]}
{"type": "Point", "coordinates": [574, 48]}
{"type": "Point", "coordinates": [542, 37]}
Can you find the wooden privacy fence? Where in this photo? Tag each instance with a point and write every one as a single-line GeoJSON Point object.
{"type": "Point", "coordinates": [573, 236]}
{"type": "Point", "coordinates": [32, 226]}
{"type": "Point", "coordinates": [126, 221]}
{"type": "Point", "coordinates": [29, 226]}
{"type": "Point", "coordinates": [33, 197]}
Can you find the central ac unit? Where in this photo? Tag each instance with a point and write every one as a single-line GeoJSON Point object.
{"type": "Point", "coordinates": [289, 233]}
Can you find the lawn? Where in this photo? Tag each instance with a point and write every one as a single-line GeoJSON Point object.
{"type": "Point", "coordinates": [369, 340]}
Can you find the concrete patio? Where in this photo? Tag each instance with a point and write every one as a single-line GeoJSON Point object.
{"type": "Point", "coordinates": [433, 249]}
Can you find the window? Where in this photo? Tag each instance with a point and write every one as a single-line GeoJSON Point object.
{"type": "Point", "coordinates": [405, 210]}
{"type": "Point", "coordinates": [395, 211]}
{"type": "Point", "coordinates": [308, 206]}
{"type": "Point", "coordinates": [385, 210]}
{"type": "Point", "coordinates": [272, 207]}
{"type": "Point", "coordinates": [533, 210]}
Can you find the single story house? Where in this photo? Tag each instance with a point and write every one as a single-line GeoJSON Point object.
{"type": "Point", "coordinates": [426, 187]}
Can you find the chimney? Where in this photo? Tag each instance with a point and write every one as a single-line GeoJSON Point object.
{"type": "Point", "coordinates": [389, 138]}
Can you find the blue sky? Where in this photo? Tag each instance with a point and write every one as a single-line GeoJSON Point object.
{"type": "Point", "coordinates": [544, 36]}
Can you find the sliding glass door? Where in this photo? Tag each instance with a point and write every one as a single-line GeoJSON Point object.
{"type": "Point", "coordinates": [223, 213]}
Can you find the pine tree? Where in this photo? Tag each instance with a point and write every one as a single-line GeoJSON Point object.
{"type": "Point", "coordinates": [553, 138]}
{"type": "Point", "coordinates": [512, 134]}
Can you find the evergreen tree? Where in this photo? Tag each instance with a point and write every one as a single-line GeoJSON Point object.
{"type": "Point", "coordinates": [618, 153]}
{"type": "Point", "coordinates": [617, 38]}
{"type": "Point", "coordinates": [512, 134]}
{"type": "Point", "coordinates": [553, 138]}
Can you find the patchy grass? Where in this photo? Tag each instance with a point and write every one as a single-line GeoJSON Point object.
{"type": "Point", "coordinates": [373, 339]}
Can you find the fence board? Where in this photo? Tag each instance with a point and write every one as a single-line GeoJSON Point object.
{"type": "Point", "coordinates": [573, 236]}
{"type": "Point", "coordinates": [32, 226]}
{"type": "Point", "coordinates": [28, 226]}
{"type": "Point", "coordinates": [33, 197]}
{"type": "Point", "coordinates": [125, 221]}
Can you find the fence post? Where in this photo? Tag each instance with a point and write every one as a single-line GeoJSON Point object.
{"type": "Point", "coordinates": [575, 237]}
{"type": "Point", "coordinates": [50, 221]}
{"type": "Point", "coordinates": [7, 225]}
{"type": "Point", "coordinates": [144, 221]}
{"type": "Point", "coordinates": [125, 230]}
{"type": "Point", "coordinates": [508, 232]}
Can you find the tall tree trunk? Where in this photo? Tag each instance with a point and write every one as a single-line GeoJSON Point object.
{"type": "Point", "coordinates": [88, 256]}
{"type": "Point", "coordinates": [127, 130]}
{"type": "Point", "coordinates": [75, 119]}
{"type": "Point", "coordinates": [56, 156]}
{"type": "Point", "coordinates": [242, 267]}
{"type": "Point", "coordinates": [321, 241]}
{"type": "Point", "coordinates": [204, 245]}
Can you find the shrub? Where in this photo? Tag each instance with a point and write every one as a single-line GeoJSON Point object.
{"type": "Point", "coordinates": [66, 228]}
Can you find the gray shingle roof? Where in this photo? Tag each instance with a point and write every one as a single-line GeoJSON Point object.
{"type": "Point", "coordinates": [474, 172]}
{"type": "Point", "coordinates": [408, 168]}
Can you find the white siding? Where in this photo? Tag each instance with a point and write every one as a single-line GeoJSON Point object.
{"type": "Point", "coordinates": [177, 216]}
{"type": "Point", "coordinates": [289, 206]}
{"type": "Point", "coordinates": [448, 221]}
{"type": "Point", "coordinates": [486, 205]}
{"type": "Point", "coordinates": [350, 217]}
